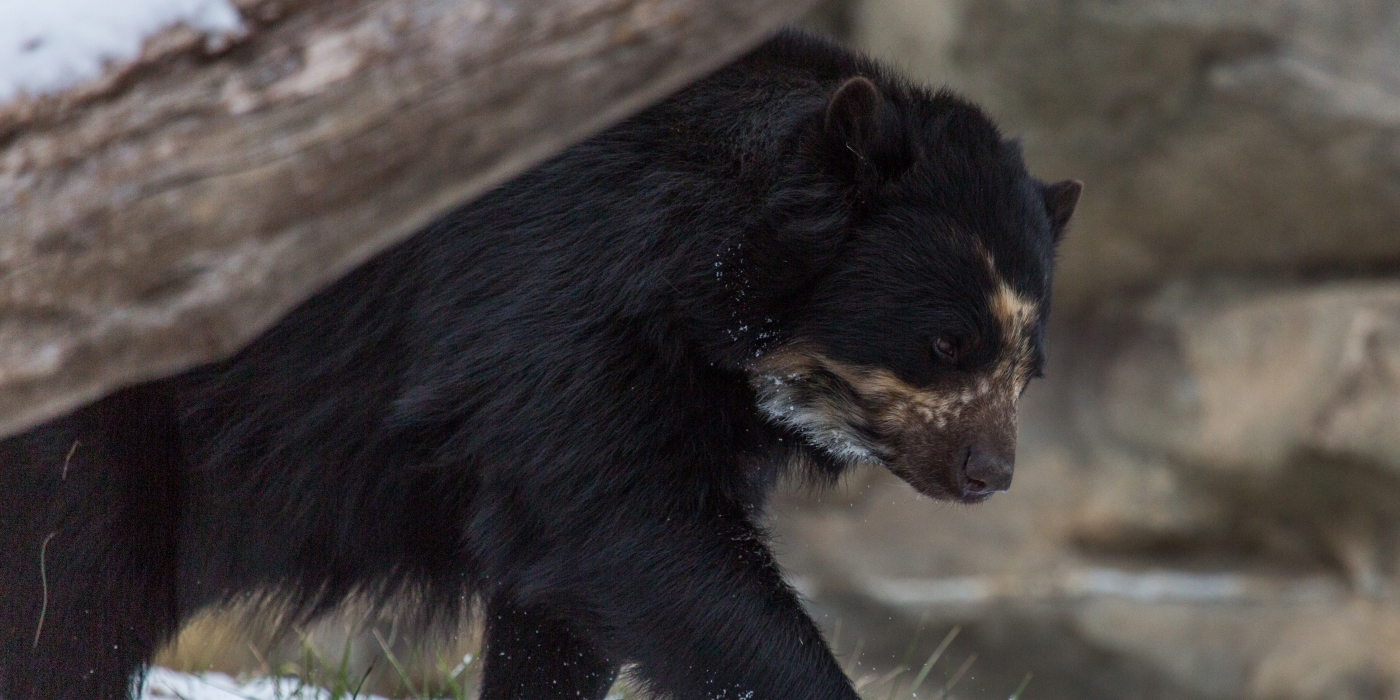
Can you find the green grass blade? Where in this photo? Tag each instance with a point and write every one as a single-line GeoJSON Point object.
{"type": "Point", "coordinates": [957, 676]}
{"type": "Point", "coordinates": [914, 642]}
{"type": "Point", "coordinates": [933, 659]}
{"type": "Point", "coordinates": [1021, 688]}
{"type": "Point", "coordinates": [398, 667]}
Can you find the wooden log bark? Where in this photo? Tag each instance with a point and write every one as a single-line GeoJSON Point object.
{"type": "Point", "coordinates": [164, 215]}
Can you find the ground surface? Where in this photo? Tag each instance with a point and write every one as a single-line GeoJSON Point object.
{"type": "Point", "coordinates": [163, 684]}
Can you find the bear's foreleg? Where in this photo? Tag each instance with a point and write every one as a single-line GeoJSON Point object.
{"type": "Point", "coordinates": [694, 599]}
{"type": "Point", "coordinates": [532, 655]}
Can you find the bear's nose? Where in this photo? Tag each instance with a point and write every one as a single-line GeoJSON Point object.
{"type": "Point", "coordinates": [983, 474]}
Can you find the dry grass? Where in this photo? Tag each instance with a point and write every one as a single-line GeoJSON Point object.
{"type": "Point", "coordinates": [352, 659]}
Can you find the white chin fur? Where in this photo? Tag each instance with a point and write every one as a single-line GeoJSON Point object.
{"type": "Point", "coordinates": [821, 432]}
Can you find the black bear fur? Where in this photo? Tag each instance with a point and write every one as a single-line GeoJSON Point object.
{"type": "Point", "coordinates": [569, 399]}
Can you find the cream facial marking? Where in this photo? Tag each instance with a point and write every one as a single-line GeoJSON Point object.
{"type": "Point", "coordinates": [1016, 315]}
{"type": "Point", "coordinates": [802, 391]}
{"type": "Point", "coordinates": [862, 414]}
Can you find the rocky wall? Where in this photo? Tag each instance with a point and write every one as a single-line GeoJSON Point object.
{"type": "Point", "coordinates": [1207, 499]}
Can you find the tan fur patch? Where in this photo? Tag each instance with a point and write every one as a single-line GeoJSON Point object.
{"type": "Point", "coordinates": [806, 392]}
{"type": "Point", "coordinates": [868, 414]}
{"type": "Point", "coordinates": [1017, 316]}
{"type": "Point", "coordinates": [864, 414]}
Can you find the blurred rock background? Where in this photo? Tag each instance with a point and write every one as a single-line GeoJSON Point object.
{"type": "Point", "coordinates": [1207, 500]}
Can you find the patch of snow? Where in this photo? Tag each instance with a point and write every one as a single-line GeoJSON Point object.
{"type": "Point", "coordinates": [165, 684]}
{"type": "Point", "coordinates": [51, 45]}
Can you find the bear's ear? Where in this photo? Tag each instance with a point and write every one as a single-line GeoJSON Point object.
{"type": "Point", "coordinates": [1060, 200]}
{"type": "Point", "coordinates": [853, 116]}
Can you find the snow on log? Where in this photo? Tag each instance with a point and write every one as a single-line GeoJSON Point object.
{"type": "Point", "coordinates": [163, 210]}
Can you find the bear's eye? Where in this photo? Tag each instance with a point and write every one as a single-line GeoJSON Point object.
{"type": "Point", "coordinates": [945, 349]}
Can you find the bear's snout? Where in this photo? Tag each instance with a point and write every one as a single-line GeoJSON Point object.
{"type": "Point", "coordinates": [982, 473]}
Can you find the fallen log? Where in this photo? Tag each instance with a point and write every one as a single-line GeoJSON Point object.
{"type": "Point", "coordinates": [164, 214]}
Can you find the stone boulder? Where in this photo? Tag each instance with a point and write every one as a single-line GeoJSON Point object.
{"type": "Point", "coordinates": [1248, 136]}
{"type": "Point", "coordinates": [1242, 378]}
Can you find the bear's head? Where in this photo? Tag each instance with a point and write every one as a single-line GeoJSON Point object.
{"type": "Point", "coordinates": [915, 342]}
